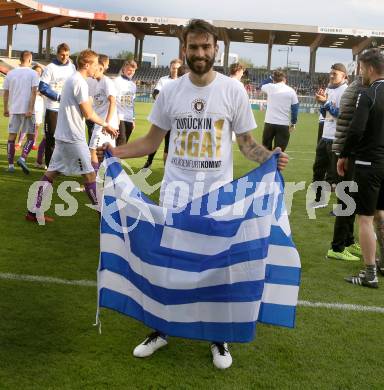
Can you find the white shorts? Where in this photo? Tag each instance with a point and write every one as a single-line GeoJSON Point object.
{"type": "Point", "coordinates": [39, 117]}
{"type": "Point", "coordinates": [71, 159]}
{"type": "Point", "coordinates": [17, 121]}
{"type": "Point", "coordinates": [99, 138]}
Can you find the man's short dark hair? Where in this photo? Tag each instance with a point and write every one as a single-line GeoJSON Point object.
{"type": "Point", "coordinates": [62, 47]}
{"type": "Point", "coordinates": [199, 26]}
{"type": "Point", "coordinates": [340, 67]}
{"type": "Point", "coordinates": [278, 76]}
{"type": "Point", "coordinates": [235, 67]}
{"type": "Point", "coordinates": [374, 58]}
{"type": "Point", "coordinates": [24, 55]}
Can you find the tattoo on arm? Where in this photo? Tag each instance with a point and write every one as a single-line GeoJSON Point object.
{"type": "Point", "coordinates": [252, 150]}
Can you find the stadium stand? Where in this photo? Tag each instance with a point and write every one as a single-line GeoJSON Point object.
{"type": "Point", "coordinates": [147, 76]}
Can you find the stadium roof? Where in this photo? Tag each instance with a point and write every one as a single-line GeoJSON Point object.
{"type": "Point", "coordinates": [46, 16]}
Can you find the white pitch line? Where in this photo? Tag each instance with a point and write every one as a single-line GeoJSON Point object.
{"type": "Point", "coordinates": [46, 279]}
{"type": "Point", "coordinates": [300, 159]}
{"type": "Point", "coordinates": [91, 283]}
{"type": "Point", "coordinates": [343, 306]}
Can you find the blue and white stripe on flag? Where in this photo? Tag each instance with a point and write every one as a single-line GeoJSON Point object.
{"type": "Point", "coordinates": [210, 275]}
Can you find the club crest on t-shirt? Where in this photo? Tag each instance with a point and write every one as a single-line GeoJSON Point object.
{"type": "Point", "coordinates": [198, 105]}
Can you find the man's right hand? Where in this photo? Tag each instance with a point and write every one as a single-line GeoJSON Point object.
{"type": "Point", "coordinates": [110, 130]}
{"type": "Point", "coordinates": [320, 96]}
{"type": "Point", "coordinates": [100, 151]}
{"type": "Point", "coordinates": [342, 166]}
{"type": "Point", "coordinates": [6, 113]}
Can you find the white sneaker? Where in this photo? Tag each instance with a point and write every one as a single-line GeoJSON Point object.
{"type": "Point", "coordinates": [222, 359]}
{"type": "Point", "coordinates": [318, 205]}
{"type": "Point", "coordinates": [150, 345]}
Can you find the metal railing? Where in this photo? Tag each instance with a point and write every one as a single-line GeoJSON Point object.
{"type": "Point", "coordinates": [257, 98]}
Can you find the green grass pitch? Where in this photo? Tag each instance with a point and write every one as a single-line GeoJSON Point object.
{"type": "Point", "coordinates": [47, 340]}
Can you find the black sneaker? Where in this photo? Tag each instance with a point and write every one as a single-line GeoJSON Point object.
{"type": "Point", "coordinates": [361, 280]}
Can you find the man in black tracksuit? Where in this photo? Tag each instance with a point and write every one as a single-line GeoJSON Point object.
{"type": "Point", "coordinates": [343, 246]}
{"type": "Point", "coordinates": [365, 140]}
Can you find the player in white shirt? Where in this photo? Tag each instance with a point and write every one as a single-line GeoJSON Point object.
{"type": "Point", "coordinates": [236, 72]}
{"type": "Point", "coordinates": [38, 111]}
{"type": "Point", "coordinates": [20, 88]}
{"type": "Point", "coordinates": [104, 104]}
{"type": "Point", "coordinates": [51, 84]}
{"type": "Point", "coordinates": [125, 99]}
{"type": "Point", "coordinates": [71, 155]}
{"type": "Point", "coordinates": [282, 110]}
{"type": "Point", "coordinates": [174, 66]}
{"type": "Point", "coordinates": [324, 167]}
{"type": "Point", "coordinates": [201, 109]}
{"type": "Point", "coordinates": [92, 82]}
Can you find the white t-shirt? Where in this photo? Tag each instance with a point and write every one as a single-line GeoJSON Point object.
{"type": "Point", "coordinates": [280, 97]}
{"type": "Point", "coordinates": [201, 120]}
{"type": "Point", "coordinates": [92, 83]}
{"type": "Point", "coordinates": [39, 104]}
{"type": "Point", "coordinates": [70, 121]}
{"type": "Point", "coordinates": [125, 98]}
{"type": "Point", "coordinates": [333, 96]}
{"type": "Point", "coordinates": [103, 89]}
{"type": "Point", "coordinates": [55, 76]}
{"type": "Point", "coordinates": [19, 82]}
{"type": "Point", "coordinates": [163, 81]}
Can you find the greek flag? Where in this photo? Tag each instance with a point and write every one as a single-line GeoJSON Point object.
{"type": "Point", "coordinates": [210, 270]}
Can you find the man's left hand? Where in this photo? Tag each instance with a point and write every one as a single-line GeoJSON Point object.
{"type": "Point", "coordinates": [283, 159]}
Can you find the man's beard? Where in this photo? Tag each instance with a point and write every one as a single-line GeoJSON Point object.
{"type": "Point", "coordinates": [200, 70]}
